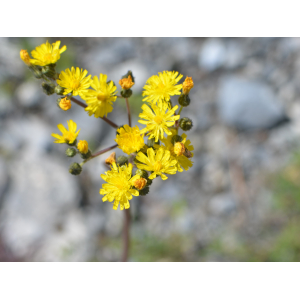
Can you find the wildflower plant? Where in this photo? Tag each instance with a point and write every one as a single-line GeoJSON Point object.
{"type": "Point", "coordinates": [156, 150]}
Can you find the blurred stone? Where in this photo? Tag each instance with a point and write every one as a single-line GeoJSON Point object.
{"type": "Point", "coordinates": [29, 94]}
{"type": "Point", "coordinates": [249, 105]}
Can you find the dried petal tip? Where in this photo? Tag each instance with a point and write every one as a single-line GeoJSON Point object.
{"type": "Point", "coordinates": [187, 85]}
{"type": "Point", "coordinates": [126, 83]}
{"type": "Point", "coordinates": [179, 148]}
{"type": "Point", "coordinates": [65, 103]}
{"type": "Point", "coordinates": [25, 57]}
{"type": "Point", "coordinates": [111, 159]}
{"type": "Point", "coordinates": [140, 183]}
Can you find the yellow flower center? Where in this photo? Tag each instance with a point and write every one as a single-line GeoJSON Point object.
{"type": "Point", "coordinates": [157, 166]}
{"type": "Point", "coordinates": [74, 84]}
{"type": "Point", "coordinates": [69, 137]}
{"type": "Point", "coordinates": [101, 97]}
{"type": "Point", "coordinates": [47, 56]}
{"type": "Point", "coordinates": [158, 120]}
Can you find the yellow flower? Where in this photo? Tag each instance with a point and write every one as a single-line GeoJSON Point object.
{"type": "Point", "coordinates": [111, 159]}
{"type": "Point", "coordinates": [83, 147]}
{"type": "Point", "coordinates": [65, 104]}
{"type": "Point", "coordinates": [46, 54]}
{"type": "Point", "coordinates": [187, 85]}
{"type": "Point", "coordinates": [100, 99]}
{"type": "Point", "coordinates": [69, 136]}
{"type": "Point", "coordinates": [126, 83]}
{"type": "Point", "coordinates": [129, 139]}
{"type": "Point", "coordinates": [176, 151]}
{"type": "Point", "coordinates": [140, 183]}
{"type": "Point", "coordinates": [25, 57]}
{"type": "Point", "coordinates": [160, 87]}
{"type": "Point", "coordinates": [74, 81]}
{"type": "Point", "coordinates": [158, 120]}
{"type": "Point", "coordinates": [158, 162]}
{"type": "Point", "coordinates": [119, 186]}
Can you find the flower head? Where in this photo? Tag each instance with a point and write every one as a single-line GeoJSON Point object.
{"type": "Point", "coordinates": [140, 183]}
{"type": "Point", "coordinates": [25, 57]}
{"type": "Point", "coordinates": [47, 54]}
{"type": "Point", "coordinates": [68, 136]}
{"type": "Point", "coordinates": [65, 103]}
{"type": "Point", "coordinates": [158, 162]}
{"type": "Point", "coordinates": [160, 87]}
{"type": "Point", "coordinates": [129, 139]}
{"type": "Point", "coordinates": [187, 85]}
{"type": "Point", "coordinates": [126, 83]}
{"type": "Point", "coordinates": [178, 150]}
{"type": "Point", "coordinates": [74, 81]}
{"type": "Point", "coordinates": [158, 120]}
{"type": "Point", "coordinates": [119, 186]}
{"type": "Point", "coordinates": [99, 100]}
{"type": "Point", "coordinates": [83, 147]}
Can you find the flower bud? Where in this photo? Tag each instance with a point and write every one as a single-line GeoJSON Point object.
{"type": "Point", "coordinates": [126, 83]}
{"type": "Point", "coordinates": [48, 88]}
{"type": "Point", "coordinates": [176, 138]}
{"type": "Point", "coordinates": [75, 168]}
{"type": "Point", "coordinates": [179, 148]}
{"type": "Point", "coordinates": [70, 152]}
{"type": "Point", "coordinates": [25, 57]}
{"type": "Point", "coordinates": [83, 147]}
{"type": "Point", "coordinates": [144, 191]}
{"type": "Point", "coordinates": [129, 73]}
{"type": "Point", "coordinates": [126, 93]}
{"type": "Point", "coordinates": [64, 103]}
{"type": "Point", "coordinates": [141, 173]}
{"type": "Point", "coordinates": [86, 155]}
{"type": "Point", "coordinates": [59, 90]}
{"type": "Point", "coordinates": [111, 159]}
{"type": "Point", "coordinates": [185, 124]}
{"type": "Point", "coordinates": [122, 160]}
{"type": "Point", "coordinates": [149, 182]}
{"type": "Point", "coordinates": [140, 183]}
{"type": "Point", "coordinates": [37, 71]}
{"type": "Point", "coordinates": [49, 71]}
{"type": "Point", "coordinates": [184, 100]}
{"type": "Point", "coordinates": [187, 85]}
{"type": "Point", "coordinates": [151, 142]}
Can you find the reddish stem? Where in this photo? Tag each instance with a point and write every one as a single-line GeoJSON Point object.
{"type": "Point", "coordinates": [104, 150]}
{"type": "Point", "coordinates": [126, 235]}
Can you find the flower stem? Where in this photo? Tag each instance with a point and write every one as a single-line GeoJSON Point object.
{"type": "Point", "coordinates": [126, 235]}
{"type": "Point", "coordinates": [180, 110]}
{"type": "Point", "coordinates": [111, 123]}
{"type": "Point", "coordinates": [128, 111]}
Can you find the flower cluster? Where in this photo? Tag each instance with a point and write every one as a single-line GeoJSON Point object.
{"type": "Point", "coordinates": [156, 150]}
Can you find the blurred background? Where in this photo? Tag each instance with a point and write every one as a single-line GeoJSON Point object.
{"type": "Point", "coordinates": [239, 202]}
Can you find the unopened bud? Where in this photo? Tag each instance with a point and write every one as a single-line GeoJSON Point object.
{"type": "Point", "coordinates": [187, 85]}
{"type": "Point", "coordinates": [141, 173]}
{"type": "Point", "coordinates": [126, 83]}
{"type": "Point", "coordinates": [144, 191]}
{"type": "Point", "coordinates": [111, 159]}
{"type": "Point", "coordinates": [49, 71]}
{"type": "Point", "coordinates": [184, 100]}
{"type": "Point", "coordinates": [48, 88]}
{"type": "Point", "coordinates": [140, 183]}
{"type": "Point", "coordinates": [64, 103]}
{"type": "Point", "coordinates": [122, 160]}
{"type": "Point", "coordinates": [149, 182]}
{"type": "Point", "coordinates": [176, 138]}
{"type": "Point", "coordinates": [83, 147]}
{"type": "Point", "coordinates": [126, 93]}
{"type": "Point", "coordinates": [129, 73]}
{"type": "Point", "coordinates": [75, 169]}
{"type": "Point", "coordinates": [70, 152]}
{"type": "Point", "coordinates": [59, 90]}
{"type": "Point", "coordinates": [185, 124]}
{"type": "Point", "coordinates": [25, 57]}
{"type": "Point", "coordinates": [36, 71]}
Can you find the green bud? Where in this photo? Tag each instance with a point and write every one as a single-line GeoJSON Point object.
{"type": "Point", "coordinates": [49, 71]}
{"type": "Point", "coordinates": [185, 124]}
{"type": "Point", "coordinates": [151, 142]}
{"type": "Point", "coordinates": [184, 100]}
{"type": "Point", "coordinates": [127, 74]}
{"type": "Point", "coordinates": [36, 70]}
{"type": "Point", "coordinates": [176, 138]}
{"type": "Point", "coordinates": [144, 191]}
{"type": "Point", "coordinates": [75, 168]}
{"type": "Point", "coordinates": [149, 182]}
{"type": "Point", "coordinates": [87, 155]}
{"type": "Point", "coordinates": [122, 160]}
{"type": "Point", "coordinates": [126, 93]}
{"type": "Point", "coordinates": [59, 90]}
{"type": "Point", "coordinates": [48, 88]}
{"type": "Point", "coordinates": [71, 152]}
{"type": "Point", "coordinates": [142, 173]}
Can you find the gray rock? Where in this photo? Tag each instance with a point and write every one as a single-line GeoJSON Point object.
{"type": "Point", "coordinates": [249, 105]}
